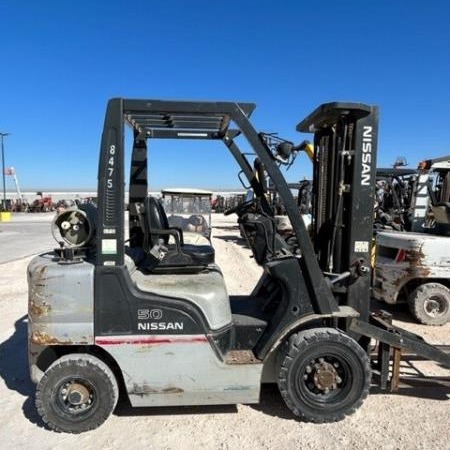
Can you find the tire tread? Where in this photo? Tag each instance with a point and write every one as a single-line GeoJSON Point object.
{"type": "Point", "coordinates": [80, 359]}
{"type": "Point", "coordinates": [299, 341]}
{"type": "Point", "coordinates": [418, 296]}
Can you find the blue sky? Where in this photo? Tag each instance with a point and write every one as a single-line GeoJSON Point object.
{"type": "Point", "coordinates": [62, 60]}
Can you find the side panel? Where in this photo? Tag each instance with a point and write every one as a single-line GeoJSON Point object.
{"type": "Point", "coordinates": [205, 290]}
{"type": "Point", "coordinates": [121, 308]}
{"type": "Point", "coordinates": [169, 370]}
{"type": "Point", "coordinates": [60, 302]}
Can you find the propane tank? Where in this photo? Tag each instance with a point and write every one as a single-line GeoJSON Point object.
{"type": "Point", "coordinates": [75, 227]}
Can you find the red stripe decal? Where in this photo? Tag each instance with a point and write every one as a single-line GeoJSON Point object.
{"type": "Point", "coordinates": [141, 340]}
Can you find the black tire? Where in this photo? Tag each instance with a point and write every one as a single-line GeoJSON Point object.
{"type": "Point", "coordinates": [429, 303]}
{"type": "Point", "coordinates": [324, 375]}
{"type": "Point", "coordinates": [77, 393]}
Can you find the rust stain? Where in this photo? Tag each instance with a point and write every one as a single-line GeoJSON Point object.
{"type": "Point", "coordinates": [172, 390]}
{"type": "Point", "coordinates": [419, 272]}
{"type": "Point", "coordinates": [40, 290]}
{"type": "Point", "coordinates": [39, 310]}
{"type": "Point", "coordinates": [400, 277]}
{"type": "Point", "coordinates": [240, 357]}
{"type": "Point", "coordinates": [145, 389]}
{"type": "Point", "coordinates": [42, 338]}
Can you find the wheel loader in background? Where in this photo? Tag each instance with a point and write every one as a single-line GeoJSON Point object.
{"type": "Point", "coordinates": [152, 318]}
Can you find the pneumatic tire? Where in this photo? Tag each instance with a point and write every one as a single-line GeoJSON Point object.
{"type": "Point", "coordinates": [77, 393]}
{"type": "Point", "coordinates": [324, 375]}
{"type": "Point", "coordinates": [429, 303]}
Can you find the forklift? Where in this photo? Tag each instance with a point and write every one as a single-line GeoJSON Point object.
{"type": "Point", "coordinates": [412, 265]}
{"type": "Point", "coordinates": [135, 309]}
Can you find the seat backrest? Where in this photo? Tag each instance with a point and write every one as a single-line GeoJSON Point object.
{"type": "Point", "coordinates": [156, 219]}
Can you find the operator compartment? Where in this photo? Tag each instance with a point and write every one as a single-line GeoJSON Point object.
{"type": "Point", "coordinates": [262, 237]}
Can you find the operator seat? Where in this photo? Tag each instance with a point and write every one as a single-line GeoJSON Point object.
{"type": "Point", "coordinates": [179, 254]}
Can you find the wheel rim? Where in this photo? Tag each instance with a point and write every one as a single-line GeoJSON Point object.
{"type": "Point", "coordinates": [76, 397]}
{"type": "Point", "coordinates": [435, 306]}
{"type": "Point", "coordinates": [324, 380]}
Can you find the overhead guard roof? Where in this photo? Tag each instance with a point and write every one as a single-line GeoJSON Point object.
{"type": "Point", "coordinates": [182, 119]}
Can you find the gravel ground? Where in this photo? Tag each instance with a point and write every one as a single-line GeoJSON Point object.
{"type": "Point", "coordinates": [413, 418]}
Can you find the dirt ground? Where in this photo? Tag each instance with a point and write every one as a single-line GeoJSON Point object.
{"type": "Point", "coordinates": [413, 418]}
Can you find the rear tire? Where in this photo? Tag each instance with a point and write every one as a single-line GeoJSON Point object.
{"type": "Point", "coordinates": [429, 303]}
{"type": "Point", "coordinates": [77, 393]}
{"type": "Point", "coordinates": [324, 375]}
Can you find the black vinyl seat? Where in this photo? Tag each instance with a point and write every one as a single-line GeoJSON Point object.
{"type": "Point", "coordinates": [178, 254]}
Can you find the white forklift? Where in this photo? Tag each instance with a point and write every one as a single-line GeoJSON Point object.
{"type": "Point", "coordinates": [414, 266]}
{"type": "Point", "coordinates": [154, 321]}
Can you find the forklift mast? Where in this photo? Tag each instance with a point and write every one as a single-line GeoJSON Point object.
{"type": "Point", "coordinates": [345, 146]}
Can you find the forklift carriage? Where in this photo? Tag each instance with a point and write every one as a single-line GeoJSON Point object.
{"type": "Point", "coordinates": [151, 314]}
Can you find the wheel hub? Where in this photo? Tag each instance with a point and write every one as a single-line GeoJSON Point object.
{"type": "Point", "coordinates": [324, 375]}
{"type": "Point", "coordinates": [435, 306]}
{"type": "Point", "coordinates": [76, 396]}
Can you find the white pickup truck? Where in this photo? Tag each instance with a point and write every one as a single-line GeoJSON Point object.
{"type": "Point", "coordinates": [414, 267]}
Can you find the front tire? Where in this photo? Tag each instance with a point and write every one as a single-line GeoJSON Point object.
{"type": "Point", "coordinates": [324, 375]}
{"type": "Point", "coordinates": [77, 393]}
{"type": "Point", "coordinates": [429, 303]}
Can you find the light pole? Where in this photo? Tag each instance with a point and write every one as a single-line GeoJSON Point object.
{"type": "Point", "coordinates": [2, 135]}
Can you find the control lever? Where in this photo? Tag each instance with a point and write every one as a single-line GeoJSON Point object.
{"type": "Point", "coordinates": [159, 250]}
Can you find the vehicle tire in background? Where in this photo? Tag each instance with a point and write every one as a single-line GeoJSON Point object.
{"type": "Point", "coordinates": [430, 304]}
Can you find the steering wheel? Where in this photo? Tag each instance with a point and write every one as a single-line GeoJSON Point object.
{"type": "Point", "coordinates": [239, 209]}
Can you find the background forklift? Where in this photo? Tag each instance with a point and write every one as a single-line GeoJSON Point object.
{"type": "Point", "coordinates": [154, 319]}
{"type": "Point", "coordinates": [413, 265]}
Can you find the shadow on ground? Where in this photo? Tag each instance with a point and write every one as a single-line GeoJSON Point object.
{"type": "Point", "coordinates": [430, 390]}
{"type": "Point", "coordinates": [124, 408]}
{"type": "Point", "coordinates": [232, 238]}
{"type": "Point", "coordinates": [14, 368]}
{"type": "Point", "coordinates": [272, 404]}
